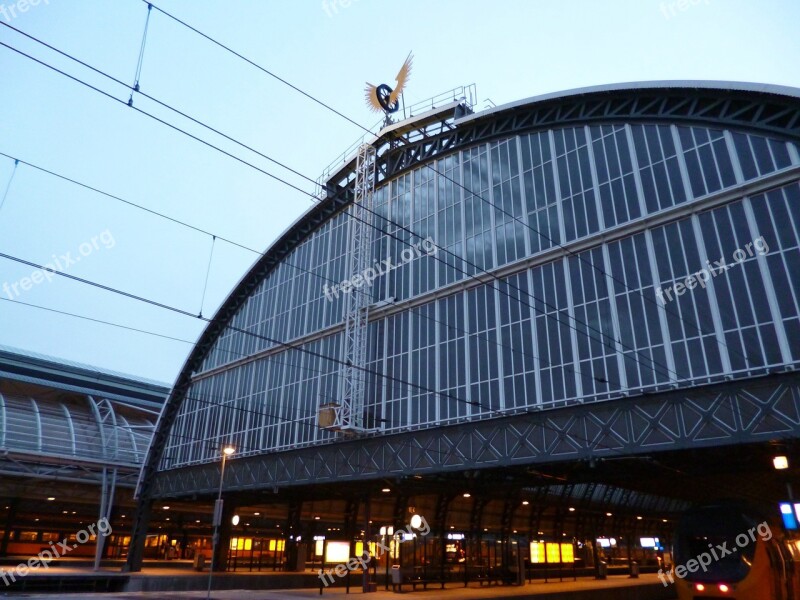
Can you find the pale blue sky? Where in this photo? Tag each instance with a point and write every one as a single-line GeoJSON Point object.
{"type": "Point", "coordinates": [510, 49]}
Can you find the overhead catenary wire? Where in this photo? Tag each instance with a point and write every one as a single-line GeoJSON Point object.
{"type": "Point", "coordinates": [287, 345]}
{"type": "Point", "coordinates": [287, 262]}
{"type": "Point", "coordinates": [651, 361]}
{"type": "Point", "coordinates": [556, 312]}
{"type": "Point", "coordinates": [386, 219]}
{"type": "Point", "coordinates": [693, 324]}
{"type": "Point", "coordinates": [8, 185]}
{"type": "Point", "coordinates": [208, 272]}
{"type": "Point", "coordinates": [314, 198]}
{"type": "Point", "coordinates": [140, 62]}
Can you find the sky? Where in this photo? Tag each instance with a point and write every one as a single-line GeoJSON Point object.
{"type": "Point", "coordinates": [510, 49]}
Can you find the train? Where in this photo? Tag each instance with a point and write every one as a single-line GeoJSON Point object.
{"type": "Point", "coordinates": [725, 550]}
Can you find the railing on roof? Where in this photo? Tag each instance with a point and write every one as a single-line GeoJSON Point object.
{"type": "Point", "coordinates": [467, 92]}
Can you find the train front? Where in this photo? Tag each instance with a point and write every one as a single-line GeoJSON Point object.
{"type": "Point", "coordinates": [723, 551]}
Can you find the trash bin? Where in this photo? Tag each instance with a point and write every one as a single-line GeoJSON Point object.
{"type": "Point", "coordinates": [199, 562]}
{"type": "Point", "coordinates": [602, 570]}
{"type": "Point", "coordinates": [397, 578]}
{"type": "Point", "coordinates": [634, 570]}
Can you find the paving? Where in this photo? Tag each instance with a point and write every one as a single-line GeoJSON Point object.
{"type": "Point", "coordinates": [620, 587]}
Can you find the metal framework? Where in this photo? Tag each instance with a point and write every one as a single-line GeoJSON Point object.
{"type": "Point", "coordinates": [739, 412]}
{"type": "Point", "coordinates": [70, 441]}
{"type": "Point", "coordinates": [678, 420]}
{"type": "Point", "coordinates": [349, 415]}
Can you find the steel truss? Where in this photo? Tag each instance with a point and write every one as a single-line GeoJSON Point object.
{"type": "Point", "coordinates": [757, 111]}
{"type": "Point", "coordinates": [350, 412]}
{"type": "Point", "coordinates": [741, 412]}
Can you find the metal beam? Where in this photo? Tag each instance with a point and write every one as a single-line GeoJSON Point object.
{"type": "Point", "coordinates": [738, 412]}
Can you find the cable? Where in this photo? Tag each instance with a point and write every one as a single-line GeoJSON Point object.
{"type": "Point", "coordinates": [287, 345]}
{"type": "Point", "coordinates": [62, 312]}
{"type": "Point", "coordinates": [314, 198]}
{"type": "Point", "coordinates": [257, 66]}
{"type": "Point", "coordinates": [141, 56]}
{"type": "Point", "coordinates": [286, 262]}
{"type": "Point", "coordinates": [208, 272]}
{"type": "Point", "coordinates": [8, 186]}
{"type": "Point", "coordinates": [695, 325]}
{"type": "Point", "coordinates": [647, 358]}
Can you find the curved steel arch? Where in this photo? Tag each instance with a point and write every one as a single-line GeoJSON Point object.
{"type": "Point", "coordinates": [764, 109]}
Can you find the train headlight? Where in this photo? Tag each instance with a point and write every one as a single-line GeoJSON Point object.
{"type": "Point", "coordinates": [724, 588]}
{"type": "Point", "coordinates": [699, 587]}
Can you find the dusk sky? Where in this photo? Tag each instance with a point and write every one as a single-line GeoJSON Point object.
{"type": "Point", "coordinates": [510, 49]}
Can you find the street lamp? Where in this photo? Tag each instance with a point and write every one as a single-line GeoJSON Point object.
{"type": "Point", "coordinates": [387, 531]}
{"type": "Point", "coordinates": [226, 452]}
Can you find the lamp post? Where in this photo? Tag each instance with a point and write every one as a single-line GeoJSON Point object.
{"type": "Point", "coordinates": [387, 533]}
{"type": "Point", "coordinates": [226, 452]}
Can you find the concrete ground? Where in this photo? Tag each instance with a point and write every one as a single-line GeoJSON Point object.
{"type": "Point", "coordinates": [616, 587]}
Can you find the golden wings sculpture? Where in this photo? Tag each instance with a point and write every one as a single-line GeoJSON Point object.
{"type": "Point", "coordinates": [382, 98]}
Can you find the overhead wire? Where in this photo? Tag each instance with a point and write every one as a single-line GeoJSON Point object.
{"type": "Point", "coordinates": [380, 216]}
{"type": "Point", "coordinates": [556, 314]}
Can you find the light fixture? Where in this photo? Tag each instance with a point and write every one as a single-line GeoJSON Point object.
{"type": "Point", "coordinates": [780, 463]}
{"type": "Point", "coordinates": [51, 498]}
{"type": "Point", "coordinates": [228, 450]}
{"type": "Point", "coordinates": [235, 520]}
{"type": "Point", "coordinates": [197, 521]}
{"type": "Point", "coordinates": [700, 587]}
{"type": "Point", "coordinates": [609, 515]}
{"type": "Point", "coordinates": [571, 509]}
{"type": "Point", "coordinates": [416, 521]}
{"type": "Point", "coordinates": [386, 490]}
{"type": "Point", "coordinates": [525, 503]}
{"type": "Point", "coordinates": [257, 514]}
{"type": "Point", "coordinates": [639, 518]}
{"type": "Point", "coordinates": [663, 520]}
{"type": "Point", "coordinates": [467, 495]}
{"type": "Point", "coordinates": [724, 588]}
{"type": "Point", "coordinates": [383, 530]}
{"type": "Point", "coordinates": [165, 507]}
{"type": "Point", "coordinates": [316, 518]}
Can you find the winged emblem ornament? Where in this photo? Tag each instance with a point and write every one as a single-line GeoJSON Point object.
{"type": "Point", "coordinates": [382, 98]}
